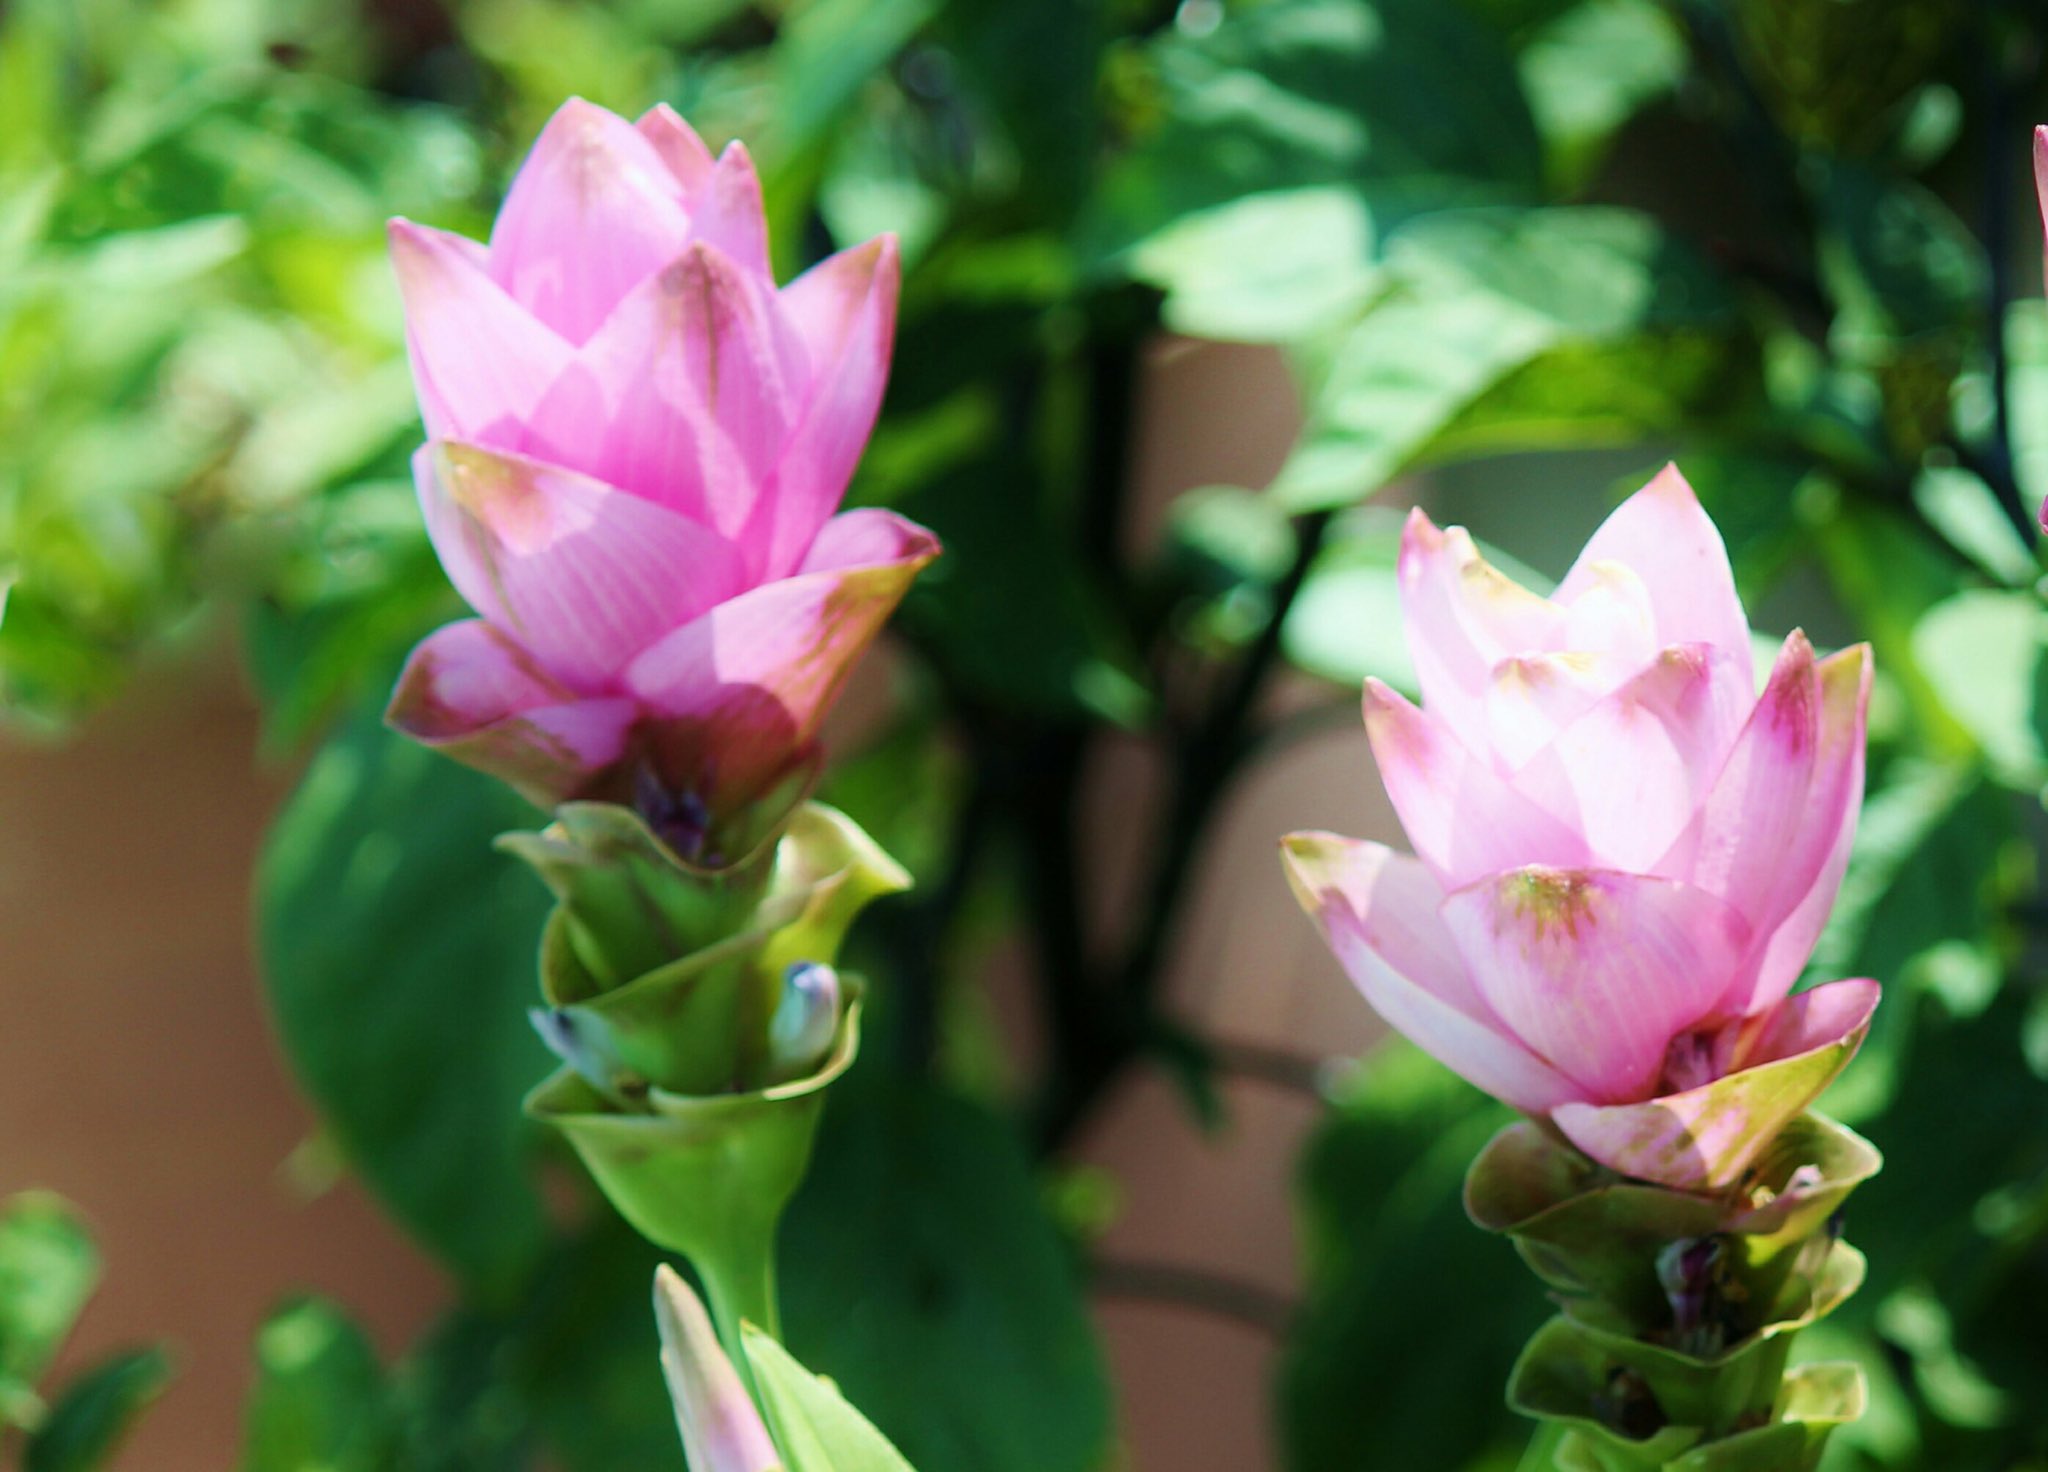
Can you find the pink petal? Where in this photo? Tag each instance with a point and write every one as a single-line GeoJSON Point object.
{"type": "Point", "coordinates": [1378, 911]}
{"type": "Point", "coordinates": [1756, 811]}
{"type": "Point", "coordinates": [745, 686]}
{"type": "Point", "coordinates": [1462, 617]}
{"type": "Point", "coordinates": [594, 212]}
{"type": "Point", "coordinates": [2041, 192]}
{"type": "Point", "coordinates": [480, 361]}
{"type": "Point", "coordinates": [1462, 819]}
{"type": "Point", "coordinates": [1596, 971]}
{"type": "Point", "coordinates": [1815, 1018]}
{"type": "Point", "coordinates": [581, 574]}
{"type": "Point", "coordinates": [843, 313]}
{"type": "Point", "coordinates": [1667, 539]}
{"type": "Point", "coordinates": [681, 398]}
{"type": "Point", "coordinates": [868, 537]}
{"type": "Point", "coordinates": [472, 694]}
{"type": "Point", "coordinates": [678, 145]}
{"type": "Point", "coordinates": [1610, 613]}
{"type": "Point", "coordinates": [721, 1430]}
{"type": "Point", "coordinates": [1705, 1138]}
{"type": "Point", "coordinates": [728, 213]}
{"type": "Point", "coordinates": [1532, 697]}
{"type": "Point", "coordinates": [1809, 872]}
{"type": "Point", "coordinates": [1629, 773]}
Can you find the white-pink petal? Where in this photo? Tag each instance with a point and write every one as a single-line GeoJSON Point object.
{"type": "Point", "coordinates": [1667, 539]}
{"type": "Point", "coordinates": [1378, 911]}
{"type": "Point", "coordinates": [1755, 814]}
{"type": "Point", "coordinates": [721, 1429]}
{"type": "Point", "coordinates": [1462, 818]}
{"type": "Point", "coordinates": [1629, 772]}
{"type": "Point", "coordinates": [1810, 870]}
{"type": "Point", "coordinates": [1596, 971]}
{"type": "Point", "coordinates": [1462, 617]}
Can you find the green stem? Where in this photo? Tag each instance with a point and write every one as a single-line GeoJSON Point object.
{"type": "Point", "coordinates": [740, 1281]}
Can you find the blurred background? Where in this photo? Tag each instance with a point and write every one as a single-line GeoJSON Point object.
{"type": "Point", "coordinates": [1198, 296]}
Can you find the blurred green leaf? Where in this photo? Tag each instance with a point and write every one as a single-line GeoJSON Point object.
{"type": "Point", "coordinates": [398, 948]}
{"type": "Point", "coordinates": [1485, 293]}
{"type": "Point", "coordinates": [1266, 268]}
{"type": "Point", "coordinates": [48, 1269]}
{"type": "Point", "coordinates": [922, 1273]}
{"type": "Point", "coordinates": [319, 1400]}
{"type": "Point", "coordinates": [1395, 381]}
{"type": "Point", "coordinates": [1986, 654]}
{"type": "Point", "coordinates": [1411, 1316]}
{"type": "Point", "coordinates": [1588, 70]}
{"type": "Point", "coordinates": [1897, 260]}
{"type": "Point", "coordinates": [1405, 101]}
{"type": "Point", "coordinates": [96, 1412]}
{"type": "Point", "coordinates": [1346, 621]}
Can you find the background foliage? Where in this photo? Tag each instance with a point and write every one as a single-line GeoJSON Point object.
{"type": "Point", "coordinates": [1787, 241]}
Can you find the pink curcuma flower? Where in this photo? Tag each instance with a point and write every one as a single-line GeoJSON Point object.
{"type": "Point", "coordinates": [1623, 852]}
{"type": "Point", "coordinates": [636, 446]}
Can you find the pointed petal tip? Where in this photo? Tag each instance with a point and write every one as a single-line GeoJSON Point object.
{"type": "Point", "coordinates": [1671, 481]}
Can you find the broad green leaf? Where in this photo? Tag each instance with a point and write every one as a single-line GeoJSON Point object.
{"type": "Point", "coordinates": [1896, 259]}
{"type": "Point", "coordinates": [922, 1273]}
{"type": "Point", "coordinates": [1346, 620]}
{"type": "Point", "coordinates": [1395, 381]}
{"type": "Point", "coordinates": [96, 1412]}
{"type": "Point", "coordinates": [48, 1268]}
{"type": "Point", "coordinates": [1588, 70]}
{"type": "Point", "coordinates": [1589, 270]}
{"type": "Point", "coordinates": [1986, 653]}
{"type": "Point", "coordinates": [816, 1430]}
{"type": "Point", "coordinates": [398, 949]}
{"type": "Point", "coordinates": [1411, 1316]}
{"type": "Point", "coordinates": [1266, 268]}
{"type": "Point", "coordinates": [1407, 101]}
{"type": "Point", "coordinates": [319, 1403]}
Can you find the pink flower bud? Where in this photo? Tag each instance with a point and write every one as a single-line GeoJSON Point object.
{"type": "Point", "coordinates": [1623, 853]}
{"type": "Point", "coordinates": [636, 446]}
{"type": "Point", "coordinates": [722, 1431]}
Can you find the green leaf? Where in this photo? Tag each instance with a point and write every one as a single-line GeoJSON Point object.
{"type": "Point", "coordinates": [1412, 1316]}
{"type": "Point", "coordinates": [1395, 381]}
{"type": "Point", "coordinates": [816, 1430]}
{"type": "Point", "coordinates": [1405, 101]}
{"type": "Point", "coordinates": [1986, 653]}
{"type": "Point", "coordinates": [1501, 305]}
{"type": "Point", "coordinates": [48, 1268]}
{"type": "Point", "coordinates": [1896, 259]}
{"type": "Point", "coordinates": [1587, 72]}
{"type": "Point", "coordinates": [319, 1401]}
{"type": "Point", "coordinates": [96, 1412]}
{"type": "Point", "coordinates": [398, 949]}
{"type": "Point", "coordinates": [1266, 268]}
{"type": "Point", "coordinates": [923, 1274]}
